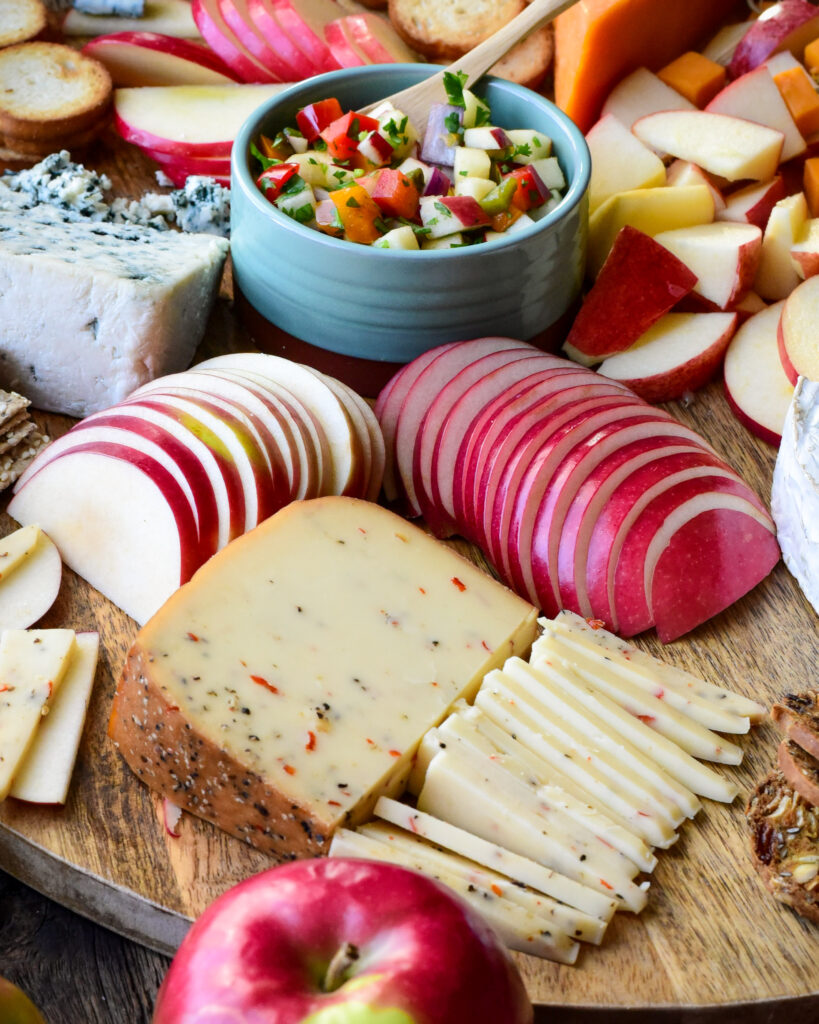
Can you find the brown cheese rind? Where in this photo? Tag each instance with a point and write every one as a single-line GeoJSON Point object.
{"type": "Point", "coordinates": [797, 717]}
{"type": "Point", "coordinates": [784, 841]}
{"type": "Point", "coordinates": [801, 770]}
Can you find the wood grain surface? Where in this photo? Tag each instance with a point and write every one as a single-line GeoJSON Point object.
{"type": "Point", "coordinates": [710, 940]}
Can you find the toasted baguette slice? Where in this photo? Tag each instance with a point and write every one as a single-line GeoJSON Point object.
{"type": "Point", "coordinates": [797, 717]}
{"type": "Point", "coordinates": [801, 770]}
{"type": "Point", "coordinates": [447, 29]}
{"type": "Point", "coordinates": [785, 844]}
{"type": "Point", "coordinates": [21, 20]}
{"type": "Point", "coordinates": [47, 89]}
{"type": "Point", "coordinates": [528, 62]}
{"type": "Point", "coordinates": [14, 148]}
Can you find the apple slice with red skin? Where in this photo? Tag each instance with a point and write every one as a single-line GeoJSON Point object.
{"type": "Point", "coordinates": [304, 21]}
{"type": "Point", "coordinates": [571, 474]}
{"type": "Point", "coordinates": [359, 484]}
{"type": "Point", "coordinates": [340, 940]}
{"type": "Point", "coordinates": [341, 45]}
{"type": "Point", "coordinates": [378, 39]}
{"type": "Point", "coordinates": [723, 255]}
{"type": "Point", "coordinates": [446, 423]}
{"type": "Point", "coordinates": [592, 495]}
{"type": "Point", "coordinates": [109, 509]}
{"type": "Point", "coordinates": [639, 282]}
{"type": "Point", "coordinates": [148, 58]}
{"type": "Point", "coordinates": [224, 42]}
{"type": "Point", "coordinates": [680, 353]}
{"type": "Point", "coordinates": [789, 25]}
{"type": "Point", "coordinates": [682, 173]}
{"type": "Point", "coordinates": [388, 408]}
{"type": "Point", "coordinates": [212, 167]}
{"type": "Point", "coordinates": [756, 386]}
{"type": "Point", "coordinates": [797, 332]}
{"type": "Point", "coordinates": [805, 250]}
{"type": "Point", "coordinates": [378, 450]}
{"type": "Point", "coordinates": [258, 31]}
{"type": "Point", "coordinates": [753, 203]}
{"type": "Point", "coordinates": [422, 393]}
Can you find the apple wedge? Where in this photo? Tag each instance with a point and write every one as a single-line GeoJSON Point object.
{"type": "Point", "coordinates": [797, 332]}
{"type": "Point", "coordinates": [178, 119]}
{"type": "Point", "coordinates": [639, 282]}
{"type": "Point", "coordinates": [30, 588]}
{"type": "Point", "coordinates": [777, 275]}
{"type": "Point", "coordinates": [255, 26]}
{"type": "Point", "coordinates": [683, 172]}
{"type": "Point", "coordinates": [620, 162]}
{"type": "Point", "coordinates": [805, 251]}
{"type": "Point", "coordinates": [724, 256]}
{"type": "Point", "coordinates": [753, 203]}
{"type": "Point", "coordinates": [680, 353]}
{"type": "Point", "coordinates": [304, 21]}
{"type": "Point", "coordinates": [223, 41]}
{"type": "Point", "coordinates": [180, 168]}
{"type": "Point", "coordinates": [342, 45]}
{"type": "Point", "coordinates": [755, 97]}
{"type": "Point", "coordinates": [378, 39]}
{"type": "Point", "coordinates": [642, 93]}
{"type": "Point", "coordinates": [758, 391]}
{"type": "Point", "coordinates": [727, 146]}
{"type": "Point", "coordinates": [148, 58]}
{"type": "Point", "coordinates": [721, 47]}
{"type": "Point", "coordinates": [788, 25]}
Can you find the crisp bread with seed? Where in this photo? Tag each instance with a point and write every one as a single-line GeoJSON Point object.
{"type": "Point", "coordinates": [14, 461]}
{"type": "Point", "coordinates": [11, 405]}
{"type": "Point", "coordinates": [14, 432]}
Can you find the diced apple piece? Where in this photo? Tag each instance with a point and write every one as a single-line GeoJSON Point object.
{"type": "Point", "coordinates": [471, 163]}
{"type": "Point", "coordinates": [642, 93]}
{"type": "Point", "coordinates": [640, 282]}
{"type": "Point", "coordinates": [756, 98]}
{"type": "Point", "coordinates": [756, 387]}
{"type": "Point", "coordinates": [650, 210]}
{"type": "Point", "coordinates": [789, 25]}
{"type": "Point", "coordinates": [446, 215]}
{"type": "Point", "coordinates": [721, 47]}
{"type": "Point", "coordinates": [805, 252]}
{"type": "Point", "coordinates": [620, 162]}
{"type": "Point", "coordinates": [398, 238]}
{"type": "Point", "coordinates": [723, 255]}
{"type": "Point", "coordinates": [753, 203]}
{"type": "Point", "coordinates": [728, 146]}
{"type": "Point", "coordinates": [30, 588]}
{"type": "Point", "coordinates": [487, 137]}
{"type": "Point", "coordinates": [396, 126]}
{"type": "Point", "coordinates": [798, 331]}
{"type": "Point", "coordinates": [683, 172]}
{"type": "Point", "coordinates": [777, 276]}
{"type": "Point", "coordinates": [680, 353]}
{"type": "Point", "coordinates": [527, 144]}
{"type": "Point", "coordinates": [478, 188]}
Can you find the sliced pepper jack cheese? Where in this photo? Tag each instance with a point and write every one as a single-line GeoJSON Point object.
{"type": "Point", "coordinates": [16, 547]}
{"type": "Point", "coordinates": [287, 686]}
{"type": "Point", "coordinates": [32, 664]}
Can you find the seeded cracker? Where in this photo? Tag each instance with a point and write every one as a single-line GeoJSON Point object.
{"type": "Point", "coordinates": [21, 427]}
{"type": "Point", "coordinates": [11, 405]}
{"type": "Point", "coordinates": [14, 461]}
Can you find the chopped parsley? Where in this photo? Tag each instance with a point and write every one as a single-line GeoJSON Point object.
{"type": "Point", "coordinates": [454, 83]}
{"type": "Point", "coordinates": [353, 202]}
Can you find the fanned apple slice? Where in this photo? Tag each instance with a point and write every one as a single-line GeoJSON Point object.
{"type": "Point", "coordinates": [798, 347]}
{"type": "Point", "coordinates": [304, 22]}
{"type": "Point", "coordinates": [224, 42]}
{"type": "Point", "coordinates": [149, 58]}
{"type": "Point", "coordinates": [378, 39]}
{"type": "Point", "coordinates": [259, 33]}
{"type": "Point", "coordinates": [29, 587]}
{"type": "Point", "coordinates": [377, 447]}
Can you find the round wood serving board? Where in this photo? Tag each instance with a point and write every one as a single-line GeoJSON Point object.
{"type": "Point", "coordinates": [711, 937]}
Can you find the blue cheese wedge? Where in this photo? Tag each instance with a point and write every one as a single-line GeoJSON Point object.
{"type": "Point", "coordinates": [116, 8]}
{"type": "Point", "coordinates": [288, 685]}
{"type": "Point", "coordinates": [125, 305]}
{"type": "Point", "coordinates": [795, 493]}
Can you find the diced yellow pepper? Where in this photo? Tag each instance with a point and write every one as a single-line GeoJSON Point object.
{"type": "Point", "coordinates": [358, 213]}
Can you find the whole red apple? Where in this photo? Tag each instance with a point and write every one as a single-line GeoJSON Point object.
{"type": "Point", "coordinates": [16, 1007]}
{"type": "Point", "coordinates": [338, 941]}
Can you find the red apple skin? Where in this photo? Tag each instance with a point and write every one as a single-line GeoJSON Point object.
{"type": "Point", "coordinates": [16, 1007]}
{"type": "Point", "coordinates": [792, 27]}
{"type": "Point", "coordinates": [766, 435]}
{"type": "Point", "coordinates": [784, 358]}
{"type": "Point", "coordinates": [260, 951]}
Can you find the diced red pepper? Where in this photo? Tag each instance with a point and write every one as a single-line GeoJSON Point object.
{"type": "Point", "coordinates": [358, 213]}
{"type": "Point", "coordinates": [531, 191]}
{"type": "Point", "coordinates": [273, 180]}
{"type": "Point", "coordinates": [396, 194]}
{"type": "Point", "coordinates": [315, 117]}
{"type": "Point", "coordinates": [342, 135]}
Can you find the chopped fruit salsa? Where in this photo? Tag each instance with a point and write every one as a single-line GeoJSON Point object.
{"type": "Point", "coordinates": [367, 178]}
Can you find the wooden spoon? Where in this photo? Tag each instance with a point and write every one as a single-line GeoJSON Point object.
{"type": "Point", "coordinates": [417, 99]}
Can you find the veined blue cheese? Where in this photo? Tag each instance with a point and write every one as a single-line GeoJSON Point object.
{"type": "Point", "coordinates": [795, 494]}
{"type": "Point", "coordinates": [288, 685]}
{"type": "Point", "coordinates": [117, 8]}
{"type": "Point", "coordinates": [124, 305]}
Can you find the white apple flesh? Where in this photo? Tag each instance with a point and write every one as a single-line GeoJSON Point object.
{"type": "Point", "coordinates": [797, 331]}
{"type": "Point", "coordinates": [304, 22]}
{"type": "Point", "coordinates": [256, 29]}
{"type": "Point", "coordinates": [32, 587]}
{"type": "Point", "coordinates": [789, 25]}
{"type": "Point", "coordinates": [223, 41]}
{"type": "Point", "coordinates": [148, 58]}
{"type": "Point", "coordinates": [642, 93]}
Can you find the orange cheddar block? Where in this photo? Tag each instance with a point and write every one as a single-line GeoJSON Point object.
{"type": "Point", "coordinates": [598, 42]}
{"type": "Point", "coordinates": [811, 57]}
{"type": "Point", "coordinates": [811, 184]}
{"type": "Point", "coordinates": [695, 77]}
{"type": "Point", "coordinates": [800, 98]}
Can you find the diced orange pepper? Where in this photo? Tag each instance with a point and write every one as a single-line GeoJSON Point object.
{"type": "Point", "coordinates": [695, 77]}
{"type": "Point", "coordinates": [395, 194]}
{"type": "Point", "coordinates": [358, 213]}
{"type": "Point", "coordinates": [504, 220]}
{"type": "Point", "coordinates": [811, 59]}
{"type": "Point", "coordinates": [811, 184]}
{"type": "Point", "coordinates": [800, 98]}
{"type": "Point", "coordinates": [273, 152]}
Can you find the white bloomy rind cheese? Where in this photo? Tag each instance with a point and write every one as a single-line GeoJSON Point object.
{"type": "Point", "coordinates": [795, 494]}
{"type": "Point", "coordinates": [288, 685]}
{"type": "Point", "coordinates": [89, 311]}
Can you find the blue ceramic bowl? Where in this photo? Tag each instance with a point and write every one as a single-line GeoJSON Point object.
{"type": "Point", "coordinates": [388, 305]}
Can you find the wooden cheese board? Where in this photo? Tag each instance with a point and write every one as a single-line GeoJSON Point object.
{"type": "Point", "coordinates": [710, 941]}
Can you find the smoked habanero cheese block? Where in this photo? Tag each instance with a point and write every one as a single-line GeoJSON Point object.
{"type": "Point", "coordinates": [598, 42]}
{"type": "Point", "coordinates": [285, 688]}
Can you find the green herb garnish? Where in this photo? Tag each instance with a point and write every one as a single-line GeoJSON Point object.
{"type": "Point", "coordinates": [454, 83]}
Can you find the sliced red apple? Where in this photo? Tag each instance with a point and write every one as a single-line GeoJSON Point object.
{"type": "Point", "coordinates": [724, 256]}
{"type": "Point", "coordinates": [620, 162]}
{"type": "Point", "coordinates": [727, 146]}
{"type": "Point", "coordinates": [221, 38]}
{"type": "Point", "coordinates": [788, 25]}
{"type": "Point", "coordinates": [378, 39]}
{"type": "Point", "coordinates": [639, 282]}
{"type": "Point", "coordinates": [680, 353]}
{"type": "Point", "coordinates": [777, 275]}
{"type": "Point", "coordinates": [109, 514]}
{"type": "Point", "coordinates": [805, 250]}
{"type": "Point", "coordinates": [755, 97]}
{"type": "Point", "coordinates": [305, 21]}
{"type": "Point", "coordinates": [753, 203]}
{"type": "Point", "coordinates": [343, 48]}
{"type": "Point", "coordinates": [148, 58]}
{"type": "Point", "coordinates": [213, 167]}
{"type": "Point", "coordinates": [256, 28]}
{"type": "Point", "coordinates": [756, 386]}
{"type": "Point", "coordinates": [31, 588]}
{"type": "Point", "coordinates": [366, 429]}
{"type": "Point", "coordinates": [642, 93]}
{"type": "Point", "coordinates": [179, 119]}
{"type": "Point", "coordinates": [798, 347]}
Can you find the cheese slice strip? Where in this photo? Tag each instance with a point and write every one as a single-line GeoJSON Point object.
{"type": "Point", "coordinates": [710, 705]}
{"type": "Point", "coordinates": [458, 729]}
{"type": "Point", "coordinates": [456, 789]}
{"type": "Point", "coordinates": [517, 928]}
{"type": "Point", "coordinates": [554, 915]}
{"type": "Point", "coordinates": [45, 774]}
{"type": "Point", "coordinates": [32, 665]}
{"type": "Point", "coordinates": [288, 685]}
{"type": "Point", "coordinates": [509, 712]}
{"type": "Point", "coordinates": [521, 870]}
{"type": "Point", "coordinates": [16, 548]}
{"type": "Point", "coordinates": [543, 684]}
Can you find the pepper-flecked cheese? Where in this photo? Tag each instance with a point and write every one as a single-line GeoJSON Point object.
{"type": "Point", "coordinates": [287, 686]}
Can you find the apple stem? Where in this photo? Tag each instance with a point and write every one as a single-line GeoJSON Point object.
{"type": "Point", "coordinates": [337, 970]}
